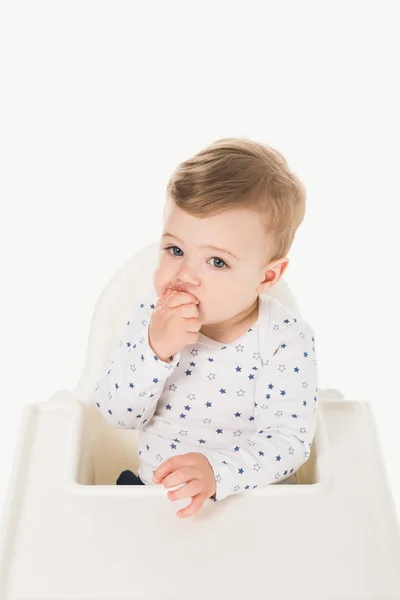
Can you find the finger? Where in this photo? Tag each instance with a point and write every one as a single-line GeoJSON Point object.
{"type": "Point", "coordinates": [195, 505]}
{"type": "Point", "coordinates": [163, 298]}
{"type": "Point", "coordinates": [192, 325]}
{"type": "Point", "coordinates": [182, 475]}
{"type": "Point", "coordinates": [168, 466]}
{"type": "Point", "coordinates": [178, 298]}
{"type": "Point", "coordinates": [194, 487]}
{"type": "Point", "coordinates": [187, 311]}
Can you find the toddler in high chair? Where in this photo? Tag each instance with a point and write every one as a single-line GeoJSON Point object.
{"type": "Point", "coordinates": [219, 378]}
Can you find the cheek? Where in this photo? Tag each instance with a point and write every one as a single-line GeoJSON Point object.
{"type": "Point", "coordinates": [158, 276]}
{"type": "Point", "coordinates": [163, 261]}
{"type": "Point", "coordinates": [162, 275]}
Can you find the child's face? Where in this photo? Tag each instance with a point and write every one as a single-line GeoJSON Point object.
{"type": "Point", "coordinates": [225, 285]}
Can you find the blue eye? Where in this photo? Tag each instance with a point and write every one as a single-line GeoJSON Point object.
{"type": "Point", "coordinates": [220, 260]}
{"type": "Point", "coordinates": [173, 247]}
{"type": "Point", "coordinates": [224, 264]}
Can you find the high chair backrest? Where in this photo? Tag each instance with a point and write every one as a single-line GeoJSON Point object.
{"type": "Point", "coordinates": [115, 304]}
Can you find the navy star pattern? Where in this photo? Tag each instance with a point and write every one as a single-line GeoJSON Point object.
{"type": "Point", "coordinates": [249, 406]}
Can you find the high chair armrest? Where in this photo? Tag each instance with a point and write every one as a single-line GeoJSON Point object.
{"type": "Point", "coordinates": [331, 394]}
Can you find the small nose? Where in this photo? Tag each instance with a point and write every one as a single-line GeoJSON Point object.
{"type": "Point", "coordinates": [186, 278]}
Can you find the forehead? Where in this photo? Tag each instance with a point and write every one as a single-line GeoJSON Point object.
{"type": "Point", "coordinates": [234, 229]}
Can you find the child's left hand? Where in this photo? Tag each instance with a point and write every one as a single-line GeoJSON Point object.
{"type": "Point", "coordinates": [193, 469]}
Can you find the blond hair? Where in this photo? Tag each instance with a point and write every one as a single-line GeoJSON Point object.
{"type": "Point", "coordinates": [241, 173]}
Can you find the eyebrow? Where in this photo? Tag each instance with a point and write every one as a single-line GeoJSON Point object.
{"type": "Point", "coordinates": [204, 246]}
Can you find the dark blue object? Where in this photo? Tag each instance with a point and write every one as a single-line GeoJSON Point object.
{"type": "Point", "coordinates": [129, 478]}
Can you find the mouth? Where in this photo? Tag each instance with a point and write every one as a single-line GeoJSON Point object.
{"type": "Point", "coordinates": [178, 288]}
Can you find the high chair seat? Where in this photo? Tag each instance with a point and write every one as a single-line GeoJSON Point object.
{"type": "Point", "coordinates": [68, 531]}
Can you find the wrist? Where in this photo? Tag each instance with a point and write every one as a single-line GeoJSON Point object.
{"type": "Point", "coordinates": [160, 355]}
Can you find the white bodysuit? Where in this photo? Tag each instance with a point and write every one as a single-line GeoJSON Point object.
{"type": "Point", "coordinates": [250, 406]}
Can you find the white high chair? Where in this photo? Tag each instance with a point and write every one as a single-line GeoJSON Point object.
{"type": "Point", "coordinates": [68, 532]}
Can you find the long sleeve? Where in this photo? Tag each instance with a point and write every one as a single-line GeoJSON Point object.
{"type": "Point", "coordinates": [285, 416]}
{"type": "Point", "coordinates": [130, 387]}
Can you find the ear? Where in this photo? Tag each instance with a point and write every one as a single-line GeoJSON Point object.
{"type": "Point", "coordinates": [272, 273]}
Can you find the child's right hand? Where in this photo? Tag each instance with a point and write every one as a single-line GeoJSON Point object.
{"type": "Point", "coordinates": [174, 323]}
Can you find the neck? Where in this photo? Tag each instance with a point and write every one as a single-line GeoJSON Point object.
{"type": "Point", "coordinates": [230, 328]}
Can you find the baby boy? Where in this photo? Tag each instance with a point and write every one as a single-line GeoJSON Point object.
{"type": "Point", "coordinates": [218, 377]}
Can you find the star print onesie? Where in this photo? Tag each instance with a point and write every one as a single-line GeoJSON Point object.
{"type": "Point", "coordinates": [249, 406]}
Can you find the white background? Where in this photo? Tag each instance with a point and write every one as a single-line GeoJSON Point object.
{"type": "Point", "coordinates": [98, 104]}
